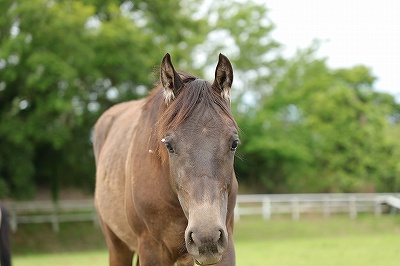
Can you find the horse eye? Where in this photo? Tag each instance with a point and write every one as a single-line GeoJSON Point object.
{"type": "Point", "coordinates": [234, 145]}
{"type": "Point", "coordinates": [169, 147]}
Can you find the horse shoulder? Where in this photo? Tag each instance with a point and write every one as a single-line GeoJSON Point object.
{"type": "Point", "coordinates": [105, 123]}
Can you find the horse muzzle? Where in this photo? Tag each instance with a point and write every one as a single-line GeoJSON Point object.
{"type": "Point", "coordinates": [206, 244]}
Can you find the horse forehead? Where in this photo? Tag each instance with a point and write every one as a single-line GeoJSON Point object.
{"type": "Point", "coordinates": [214, 115]}
{"type": "Point", "coordinates": [209, 122]}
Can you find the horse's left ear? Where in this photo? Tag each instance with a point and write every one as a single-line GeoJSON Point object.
{"type": "Point", "coordinates": [170, 79]}
{"type": "Point", "coordinates": [223, 77]}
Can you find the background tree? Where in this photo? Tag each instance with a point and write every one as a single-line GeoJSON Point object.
{"type": "Point", "coordinates": [322, 130]}
{"type": "Point", "coordinates": [64, 62]}
{"type": "Point", "coordinates": [305, 126]}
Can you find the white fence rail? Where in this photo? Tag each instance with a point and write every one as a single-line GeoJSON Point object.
{"type": "Point", "coordinates": [265, 205]}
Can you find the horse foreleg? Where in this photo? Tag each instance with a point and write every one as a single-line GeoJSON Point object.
{"type": "Point", "coordinates": [186, 260]}
{"type": "Point", "coordinates": [119, 253]}
{"type": "Point", "coordinates": [152, 253]}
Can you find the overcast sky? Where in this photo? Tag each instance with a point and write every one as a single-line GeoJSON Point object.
{"type": "Point", "coordinates": [354, 32]}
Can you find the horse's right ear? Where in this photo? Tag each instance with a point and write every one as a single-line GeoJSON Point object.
{"type": "Point", "coordinates": [170, 79]}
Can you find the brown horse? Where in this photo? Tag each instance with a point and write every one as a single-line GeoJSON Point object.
{"type": "Point", "coordinates": [165, 183]}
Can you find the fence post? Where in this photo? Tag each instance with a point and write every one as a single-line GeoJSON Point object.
{"type": "Point", "coordinates": [295, 209]}
{"type": "Point", "coordinates": [13, 220]}
{"type": "Point", "coordinates": [54, 218]}
{"type": "Point", "coordinates": [353, 207]}
{"type": "Point", "coordinates": [266, 208]}
{"type": "Point", "coordinates": [326, 207]}
{"type": "Point", "coordinates": [236, 212]}
{"type": "Point", "coordinates": [96, 222]}
{"type": "Point", "coordinates": [377, 207]}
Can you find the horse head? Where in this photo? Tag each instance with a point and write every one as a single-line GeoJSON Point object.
{"type": "Point", "coordinates": [200, 138]}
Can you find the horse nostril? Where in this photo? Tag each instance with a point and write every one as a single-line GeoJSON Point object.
{"type": "Point", "coordinates": [191, 244]}
{"type": "Point", "coordinates": [221, 234]}
{"type": "Point", "coordinates": [222, 238]}
{"type": "Point", "coordinates": [190, 238]}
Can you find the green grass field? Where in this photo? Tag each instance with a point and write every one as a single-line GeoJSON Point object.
{"type": "Point", "coordinates": [311, 241]}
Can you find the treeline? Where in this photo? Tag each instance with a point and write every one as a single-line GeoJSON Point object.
{"type": "Point", "coordinates": [322, 130]}
{"type": "Point", "coordinates": [305, 127]}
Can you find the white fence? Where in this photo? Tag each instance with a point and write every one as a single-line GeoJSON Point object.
{"type": "Point", "coordinates": [325, 204]}
{"type": "Point", "coordinates": [265, 205]}
{"type": "Point", "coordinates": [51, 212]}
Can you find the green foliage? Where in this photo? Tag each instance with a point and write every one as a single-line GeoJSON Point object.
{"type": "Point", "coordinates": [61, 64]}
{"type": "Point", "coordinates": [305, 127]}
{"type": "Point", "coordinates": [242, 31]}
{"type": "Point", "coordinates": [322, 130]}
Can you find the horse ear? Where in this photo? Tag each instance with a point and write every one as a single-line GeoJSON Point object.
{"type": "Point", "coordinates": [170, 79]}
{"type": "Point", "coordinates": [223, 77]}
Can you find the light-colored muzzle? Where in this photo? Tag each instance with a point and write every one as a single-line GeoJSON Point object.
{"type": "Point", "coordinates": [206, 236]}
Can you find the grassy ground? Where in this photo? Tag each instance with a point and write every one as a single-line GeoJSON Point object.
{"type": "Point", "coordinates": [40, 239]}
{"type": "Point", "coordinates": [337, 241]}
{"type": "Point", "coordinates": [311, 241]}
